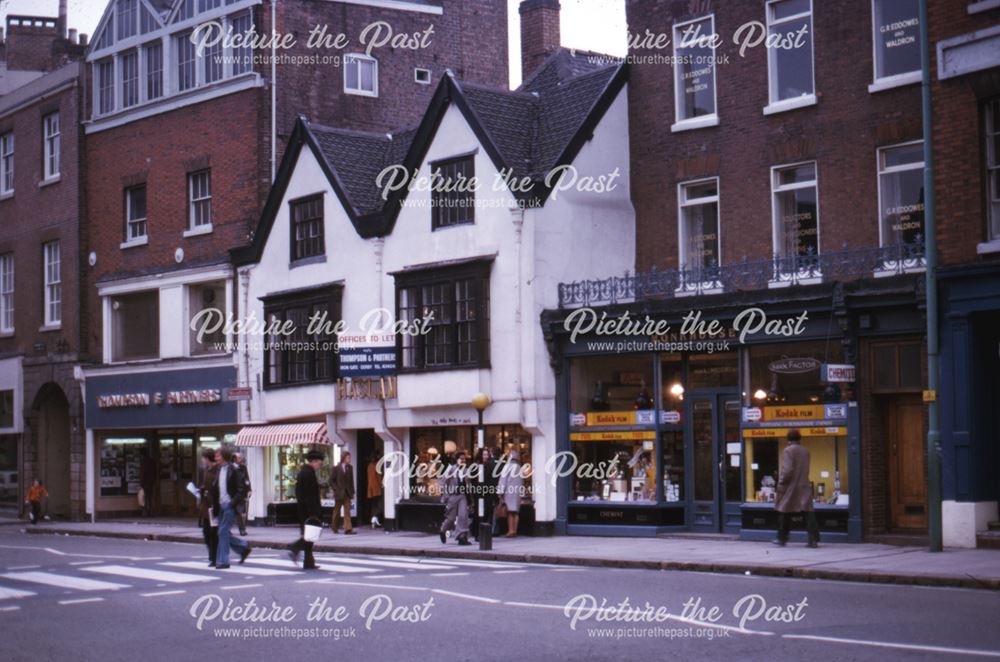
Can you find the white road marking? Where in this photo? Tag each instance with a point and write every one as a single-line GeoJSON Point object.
{"type": "Point", "coordinates": [462, 562]}
{"type": "Point", "coordinates": [149, 573]}
{"type": "Point", "coordinates": [158, 593]}
{"type": "Point", "coordinates": [239, 586]}
{"type": "Point", "coordinates": [569, 569]}
{"type": "Point", "coordinates": [65, 581]}
{"type": "Point", "coordinates": [93, 556]}
{"type": "Point", "coordinates": [508, 572]}
{"type": "Point", "coordinates": [325, 566]}
{"type": "Point", "coordinates": [235, 570]}
{"type": "Point", "coordinates": [12, 608]}
{"type": "Point", "coordinates": [449, 574]}
{"type": "Point", "coordinates": [533, 605]}
{"type": "Point", "coordinates": [350, 583]}
{"type": "Point", "coordinates": [8, 593]}
{"type": "Point", "coordinates": [85, 562]}
{"type": "Point", "coordinates": [466, 596]}
{"type": "Point", "coordinates": [23, 567]}
{"type": "Point", "coordinates": [894, 645]}
{"type": "Point", "coordinates": [383, 576]}
{"type": "Point", "coordinates": [406, 565]}
{"type": "Point", "coordinates": [80, 601]}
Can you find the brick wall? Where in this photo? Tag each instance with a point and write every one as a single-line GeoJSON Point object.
{"type": "Point", "coordinates": [841, 132]}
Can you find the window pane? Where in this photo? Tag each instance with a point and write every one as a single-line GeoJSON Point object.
{"type": "Point", "coordinates": [208, 309]}
{"type": "Point", "coordinates": [897, 37]}
{"type": "Point", "coordinates": [127, 18]}
{"type": "Point", "coordinates": [903, 155]}
{"type": "Point", "coordinates": [785, 8]}
{"type": "Point", "coordinates": [792, 68]}
{"type": "Point", "coordinates": [242, 26]}
{"type": "Point", "coordinates": [154, 70]}
{"type": "Point", "coordinates": [796, 174]}
{"type": "Point", "coordinates": [695, 70]}
{"type": "Point", "coordinates": [135, 322]}
{"type": "Point", "coordinates": [701, 232]}
{"type": "Point", "coordinates": [902, 207]}
{"type": "Point", "coordinates": [130, 79]}
{"type": "Point", "coordinates": [212, 57]}
{"type": "Point", "coordinates": [185, 62]}
{"type": "Point", "coordinates": [796, 217]}
{"type": "Point", "coordinates": [106, 86]}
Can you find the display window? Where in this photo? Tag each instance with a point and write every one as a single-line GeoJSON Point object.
{"type": "Point", "coordinates": [789, 373]}
{"type": "Point", "coordinates": [827, 464]}
{"type": "Point", "coordinates": [120, 465]}
{"type": "Point", "coordinates": [286, 462]}
{"type": "Point", "coordinates": [611, 383]}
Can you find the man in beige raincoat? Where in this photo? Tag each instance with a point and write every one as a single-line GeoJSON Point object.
{"type": "Point", "coordinates": [794, 491]}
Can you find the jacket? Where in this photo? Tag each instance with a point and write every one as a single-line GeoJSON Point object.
{"type": "Point", "coordinates": [455, 482]}
{"type": "Point", "coordinates": [342, 479]}
{"type": "Point", "coordinates": [793, 493]}
{"type": "Point", "coordinates": [242, 468]}
{"type": "Point", "coordinates": [308, 504]}
{"type": "Point", "coordinates": [235, 487]}
{"type": "Point", "coordinates": [374, 481]}
{"type": "Point", "coordinates": [207, 482]}
{"type": "Point", "coordinates": [36, 493]}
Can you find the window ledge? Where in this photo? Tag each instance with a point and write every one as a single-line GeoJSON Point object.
{"type": "Point", "coordinates": [695, 123]}
{"type": "Point", "coordinates": [708, 287]}
{"type": "Point", "coordinates": [361, 93]}
{"type": "Point", "coordinates": [47, 328]}
{"type": "Point", "coordinates": [983, 5]}
{"type": "Point", "coordinates": [6, 196]}
{"type": "Point", "coordinates": [790, 104]}
{"type": "Point", "coordinates": [132, 243]}
{"type": "Point", "coordinates": [305, 261]}
{"type": "Point", "coordinates": [7, 334]}
{"type": "Point", "coordinates": [988, 247]}
{"type": "Point", "coordinates": [815, 279]}
{"type": "Point", "coordinates": [888, 273]}
{"type": "Point", "coordinates": [891, 82]}
{"type": "Point", "coordinates": [198, 231]}
{"type": "Point", "coordinates": [50, 181]}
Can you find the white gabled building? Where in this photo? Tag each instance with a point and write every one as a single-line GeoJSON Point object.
{"type": "Point", "coordinates": [485, 263]}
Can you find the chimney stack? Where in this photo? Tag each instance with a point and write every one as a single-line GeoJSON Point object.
{"type": "Point", "coordinates": [72, 35]}
{"type": "Point", "coordinates": [83, 39]}
{"type": "Point", "coordinates": [539, 33]}
{"type": "Point", "coordinates": [61, 23]}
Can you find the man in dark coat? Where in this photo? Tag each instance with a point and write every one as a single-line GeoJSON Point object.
{"type": "Point", "coordinates": [210, 532]}
{"type": "Point", "coordinates": [227, 491]}
{"type": "Point", "coordinates": [310, 508]}
{"type": "Point", "coordinates": [244, 506]}
{"type": "Point", "coordinates": [794, 494]}
{"type": "Point", "coordinates": [342, 479]}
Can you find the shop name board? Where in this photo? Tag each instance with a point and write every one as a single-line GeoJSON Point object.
{"type": "Point", "coordinates": [635, 417]}
{"type": "Point", "coordinates": [368, 361]}
{"type": "Point", "coordinates": [838, 372]}
{"type": "Point", "coordinates": [775, 433]}
{"type": "Point", "coordinates": [186, 397]}
{"type": "Point", "coordinates": [793, 366]}
{"type": "Point", "coordinates": [622, 435]}
{"type": "Point", "coordinates": [790, 413]}
{"type": "Point", "coordinates": [367, 388]}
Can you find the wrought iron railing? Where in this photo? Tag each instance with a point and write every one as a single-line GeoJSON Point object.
{"type": "Point", "coordinates": [745, 275]}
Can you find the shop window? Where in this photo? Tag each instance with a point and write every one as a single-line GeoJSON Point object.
{"type": "Point", "coordinates": [207, 313]}
{"type": "Point", "coordinates": [789, 373]}
{"type": "Point", "coordinates": [10, 493]}
{"type": "Point", "coordinates": [713, 370]}
{"type": "Point", "coordinates": [827, 467]}
{"type": "Point", "coordinates": [901, 193]}
{"type": "Point", "coordinates": [307, 353]}
{"type": "Point", "coordinates": [993, 168]}
{"type": "Point", "coordinates": [285, 464]}
{"type": "Point", "coordinates": [453, 305]}
{"type": "Point", "coordinates": [897, 367]}
{"type": "Point", "coordinates": [694, 73]}
{"type": "Point", "coordinates": [7, 408]}
{"type": "Point", "coordinates": [120, 465]}
{"type": "Point", "coordinates": [361, 75]}
{"type": "Point", "coordinates": [796, 210]}
{"type": "Point", "coordinates": [790, 70]}
{"type": "Point", "coordinates": [611, 383]}
{"type": "Point", "coordinates": [135, 326]}
{"type": "Point", "coordinates": [307, 228]}
{"type": "Point", "coordinates": [453, 199]}
{"type": "Point", "coordinates": [896, 35]}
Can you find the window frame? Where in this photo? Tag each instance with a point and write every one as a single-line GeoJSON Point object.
{"type": "Point", "coordinates": [359, 90]}
{"type": "Point", "coordinates": [682, 203]}
{"type": "Point", "coordinates": [112, 331]}
{"type": "Point", "coordinates": [193, 347]}
{"type": "Point", "coordinates": [51, 146]}
{"type": "Point", "coordinates": [708, 119]}
{"type": "Point", "coordinates": [884, 82]}
{"type": "Point", "coordinates": [130, 221]}
{"type": "Point", "coordinates": [152, 71]}
{"type": "Point", "coordinates": [193, 202]}
{"type": "Point", "coordinates": [420, 278]}
{"type": "Point", "coordinates": [992, 162]}
{"type": "Point", "coordinates": [879, 172]}
{"type": "Point", "coordinates": [7, 163]}
{"type": "Point", "coordinates": [293, 225]}
{"type": "Point", "coordinates": [330, 296]}
{"type": "Point", "coordinates": [775, 103]}
{"type": "Point", "coordinates": [52, 283]}
{"type": "Point", "coordinates": [128, 81]}
{"type": "Point", "coordinates": [438, 196]}
{"type": "Point", "coordinates": [7, 300]}
{"type": "Point", "coordinates": [776, 189]}
{"type": "Point", "coordinates": [181, 44]}
{"type": "Point", "coordinates": [105, 89]}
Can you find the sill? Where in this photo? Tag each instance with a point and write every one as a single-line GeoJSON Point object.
{"type": "Point", "coordinates": [443, 368]}
{"type": "Point", "coordinates": [695, 123]}
{"type": "Point", "coordinates": [815, 279]}
{"type": "Point", "coordinates": [50, 181]}
{"type": "Point", "coordinates": [988, 247]}
{"type": "Point", "coordinates": [132, 243]}
{"type": "Point", "coordinates": [198, 231]}
{"type": "Point", "coordinates": [306, 261]}
{"type": "Point", "coordinates": [891, 82]}
{"type": "Point", "coordinates": [48, 328]}
{"type": "Point", "coordinates": [698, 289]}
{"type": "Point", "coordinates": [6, 196]}
{"type": "Point", "coordinates": [457, 224]}
{"type": "Point", "coordinates": [888, 273]}
{"type": "Point", "coordinates": [7, 334]}
{"type": "Point", "coordinates": [361, 93]}
{"type": "Point", "coordinates": [316, 382]}
{"type": "Point", "coordinates": [790, 104]}
{"type": "Point", "coordinates": [122, 362]}
{"type": "Point", "coordinates": [983, 5]}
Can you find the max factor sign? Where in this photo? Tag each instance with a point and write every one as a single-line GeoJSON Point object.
{"type": "Point", "coordinates": [187, 397]}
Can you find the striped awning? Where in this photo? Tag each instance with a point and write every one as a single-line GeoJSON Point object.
{"type": "Point", "coordinates": [283, 435]}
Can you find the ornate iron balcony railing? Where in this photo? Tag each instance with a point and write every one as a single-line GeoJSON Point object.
{"type": "Point", "coordinates": [746, 275]}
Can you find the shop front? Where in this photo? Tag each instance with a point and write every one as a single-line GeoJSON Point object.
{"type": "Point", "coordinates": [146, 430]}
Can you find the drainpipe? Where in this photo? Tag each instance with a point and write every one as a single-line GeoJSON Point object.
{"type": "Point", "coordinates": [274, 88]}
{"type": "Point", "coordinates": [930, 252]}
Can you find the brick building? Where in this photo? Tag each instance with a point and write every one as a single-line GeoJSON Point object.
{"type": "Point", "coordinates": [785, 180]}
{"type": "Point", "coordinates": [966, 121]}
{"type": "Point", "coordinates": [183, 143]}
{"type": "Point", "coordinates": [41, 287]}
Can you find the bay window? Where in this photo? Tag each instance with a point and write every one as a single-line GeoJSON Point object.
{"type": "Point", "coordinates": [307, 353]}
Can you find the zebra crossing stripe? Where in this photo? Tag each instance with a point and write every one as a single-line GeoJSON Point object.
{"type": "Point", "coordinates": [235, 570]}
{"type": "Point", "coordinates": [405, 565]}
{"type": "Point", "coordinates": [64, 581]}
{"type": "Point", "coordinates": [467, 563]}
{"type": "Point", "coordinates": [148, 573]}
{"type": "Point", "coordinates": [325, 566]}
{"type": "Point", "coordinates": [8, 593]}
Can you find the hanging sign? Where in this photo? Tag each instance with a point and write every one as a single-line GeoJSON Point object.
{"type": "Point", "coordinates": [837, 372]}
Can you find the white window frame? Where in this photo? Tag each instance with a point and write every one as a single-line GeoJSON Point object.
{"type": "Point", "coordinates": [136, 80]}
{"type": "Point", "coordinates": [176, 40]}
{"type": "Point", "coordinates": [234, 53]}
{"type": "Point", "coordinates": [780, 105]}
{"type": "Point", "coordinates": [880, 83]}
{"type": "Point", "coordinates": [189, 342]}
{"type": "Point", "coordinates": [707, 287]}
{"type": "Point", "coordinates": [135, 239]}
{"type": "Point", "coordinates": [144, 71]}
{"type": "Point", "coordinates": [52, 146]}
{"type": "Point", "coordinates": [711, 119]}
{"type": "Point", "coordinates": [201, 228]}
{"type": "Point", "coordinates": [7, 145]}
{"type": "Point", "coordinates": [879, 171]}
{"type": "Point", "coordinates": [52, 277]}
{"type": "Point", "coordinates": [7, 303]}
{"type": "Point", "coordinates": [416, 76]}
{"type": "Point", "coordinates": [992, 134]}
{"type": "Point", "coordinates": [102, 84]}
{"type": "Point", "coordinates": [775, 221]}
{"type": "Point", "coordinates": [359, 58]}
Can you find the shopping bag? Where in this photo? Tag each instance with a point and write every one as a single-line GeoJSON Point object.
{"type": "Point", "coordinates": [311, 532]}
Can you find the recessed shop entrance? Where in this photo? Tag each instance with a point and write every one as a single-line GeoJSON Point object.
{"type": "Point", "coordinates": [714, 437]}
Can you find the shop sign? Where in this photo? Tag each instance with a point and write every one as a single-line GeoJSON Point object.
{"type": "Point", "coordinates": [121, 400]}
{"type": "Point", "coordinates": [239, 393]}
{"type": "Point", "coordinates": [791, 366]}
{"type": "Point", "coordinates": [794, 413]}
{"type": "Point", "coordinates": [834, 411]}
{"type": "Point", "coordinates": [838, 372]}
{"type": "Point", "coordinates": [645, 417]}
{"type": "Point", "coordinates": [611, 418]}
{"type": "Point", "coordinates": [577, 420]}
{"type": "Point", "coordinates": [368, 361]}
{"type": "Point", "coordinates": [751, 414]}
{"type": "Point", "coordinates": [624, 435]}
{"type": "Point", "coordinates": [366, 388]}
{"type": "Point", "coordinates": [671, 416]}
{"type": "Point", "coordinates": [774, 433]}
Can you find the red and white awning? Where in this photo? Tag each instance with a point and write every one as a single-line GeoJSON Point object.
{"type": "Point", "coordinates": [283, 435]}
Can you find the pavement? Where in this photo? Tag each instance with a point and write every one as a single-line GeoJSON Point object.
{"type": "Point", "coordinates": [875, 563]}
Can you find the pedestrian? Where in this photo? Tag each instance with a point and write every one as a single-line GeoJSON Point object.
{"type": "Point", "coordinates": [244, 506]}
{"type": "Point", "coordinates": [511, 489]}
{"type": "Point", "coordinates": [209, 531]}
{"type": "Point", "coordinates": [147, 483]}
{"type": "Point", "coordinates": [793, 494]}
{"type": "Point", "coordinates": [455, 494]}
{"type": "Point", "coordinates": [484, 489]}
{"type": "Point", "coordinates": [342, 479]}
{"type": "Point", "coordinates": [309, 508]}
{"type": "Point", "coordinates": [374, 490]}
{"type": "Point", "coordinates": [227, 491]}
{"type": "Point", "coordinates": [36, 493]}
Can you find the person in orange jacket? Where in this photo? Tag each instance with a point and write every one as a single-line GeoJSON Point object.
{"type": "Point", "coordinates": [34, 500]}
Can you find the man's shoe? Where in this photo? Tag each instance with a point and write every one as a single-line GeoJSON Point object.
{"type": "Point", "coordinates": [224, 566]}
{"type": "Point", "coordinates": [243, 532]}
{"type": "Point", "coordinates": [778, 542]}
{"type": "Point", "coordinates": [812, 545]}
{"type": "Point", "coordinates": [310, 567]}
{"type": "Point", "coordinates": [350, 532]}
{"type": "Point", "coordinates": [444, 537]}
{"type": "Point", "coordinates": [244, 554]}
{"type": "Point", "coordinates": [463, 540]}
{"type": "Point", "coordinates": [211, 564]}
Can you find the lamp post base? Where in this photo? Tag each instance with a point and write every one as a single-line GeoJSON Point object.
{"type": "Point", "coordinates": [485, 537]}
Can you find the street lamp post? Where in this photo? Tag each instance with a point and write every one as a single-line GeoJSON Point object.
{"type": "Point", "coordinates": [480, 401]}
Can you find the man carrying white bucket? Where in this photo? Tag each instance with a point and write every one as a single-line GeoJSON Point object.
{"type": "Point", "coordinates": [310, 510]}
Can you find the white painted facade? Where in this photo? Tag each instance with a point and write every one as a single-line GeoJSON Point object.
{"type": "Point", "coordinates": [573, 235]}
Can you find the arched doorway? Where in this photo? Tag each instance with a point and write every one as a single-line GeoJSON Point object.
{"type": "Point", "coordinates": [50, 417]}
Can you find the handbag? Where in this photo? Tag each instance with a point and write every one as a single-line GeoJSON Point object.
{"type": "Point", "coordinates": [500, 510]}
